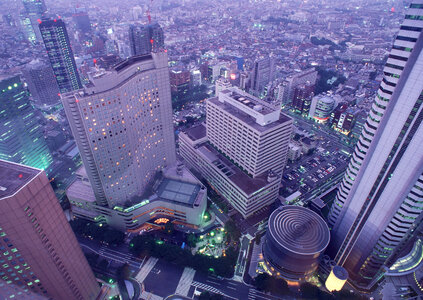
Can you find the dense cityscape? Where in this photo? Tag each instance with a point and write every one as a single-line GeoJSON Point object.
{"type": "Point", "coordinates": [249, 150]}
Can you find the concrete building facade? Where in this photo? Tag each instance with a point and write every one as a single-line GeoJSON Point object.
{"type": "Point", "coordinates": [379, 201]}
{"type": "Point", "coordinates": [122, 124]}
{"type": "Point", "coordinates": [38, 250]}
{"type": "Point", "coordinates": [243, 150]}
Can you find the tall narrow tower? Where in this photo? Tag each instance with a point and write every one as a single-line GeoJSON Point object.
{"type": "Point", "coordinates": [56, 41]}
{"type": "Point", "coordinates": [263, 73]}
{"type": "Point", "coordinates": [21, 135]}
{"type": "Point", "coordinates": [38, 250]}
{"type": "Point", "coordinates": [144, 39]}
{"type": "Point", "coordinates": [380, 198]}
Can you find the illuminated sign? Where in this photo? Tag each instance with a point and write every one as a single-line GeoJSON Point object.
{"type": "Point", "coordinates": [161, 221]}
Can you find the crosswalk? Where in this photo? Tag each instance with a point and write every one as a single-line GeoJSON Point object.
{"type": "Point", "coordinates": [117, 256]}
{"type": "Point", "coordinates": [146, 269]}
{"type": "Point", "coordinates": [253, 294]}
{"type": "Point", "coordinates": [185, 282]}
{"type": "Point", "coordinates": [206, 287]}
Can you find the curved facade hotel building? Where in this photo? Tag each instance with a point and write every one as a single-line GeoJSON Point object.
{"type": "Point", "coordinates": [380, 200]}
{"type": "Point", "coordinates": [122, 124]}
{"type": "Point", "coordinates": [295, 239]}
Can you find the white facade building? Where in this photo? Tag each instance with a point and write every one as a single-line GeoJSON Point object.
{"type": "Point", "coordinates": [380, 199]}
{"type": "Point", "coordinates": [321, 108]}
{"type": "Point", "coordinates": [122, 124]}
{"type": "Point", "coordinates": [249, 131]}
{"type": "Point", "coordinates": [294, 152]}
{"type": "Point", "coordinates": [243, 151]}
{"type": "Point", "coordinates": [221, 84]}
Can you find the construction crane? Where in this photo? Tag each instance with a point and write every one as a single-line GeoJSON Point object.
{"type": "Point", "coordinates": [148, 12]}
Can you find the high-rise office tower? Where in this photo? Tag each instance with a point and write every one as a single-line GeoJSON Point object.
{"type": "Point", "coordinates": [33, 11]}
{"type": "Point", "coordinates": [156, 37]}
{"type": "Point", "coordinates": [41, 82]}
{"type": "Point", "coordinates": [308, 77]}
{"type": "Point", "coordinates": [34, 6]}
{"type": "Point", "coordinates": [139, 40]}
{"type": "Point", "coordinates": [144, 39]}
{"type": "Point", "coordinates": [263, 73]}
{"type": "Point", "coordinates": [380, 199]}
{"type": "Point", "coordinates": [82, 21]}
{"type": "Point", "coordinates": [38, 250]}
{"type": "Point", "coordinates": [21, 136]}
{"type": "Point", "coordinates": [60, 53]}
{"type": "Point", "coordinates": [122, 124]}
{"type": "Point", "coordinates": [27, 28]}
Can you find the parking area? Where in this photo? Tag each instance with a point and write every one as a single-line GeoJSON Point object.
{"type": "Point", "coordinates": [315, 170]}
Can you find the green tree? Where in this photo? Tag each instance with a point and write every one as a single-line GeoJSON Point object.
{"type": "Point", "coordinates": [169, 228]}
{"type": "Point", "coordinates": [233, 230]}
{"type": "Point", "coordinates": [123, 272]}
{"type": "Point", "coordinates": [309, 291]}
{"type": "Point", "coordinates": [191, 240]}
{"type": "Point", "coordinates": [210, 296]}
{"type": "Point", "coordinates": [114, 237]}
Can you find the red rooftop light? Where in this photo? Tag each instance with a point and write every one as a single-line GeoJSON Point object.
{"type": "Point", "coordinates": [20, 176]}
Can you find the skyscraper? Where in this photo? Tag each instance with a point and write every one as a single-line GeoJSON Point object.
{"type": "Point", "coordinates": [380, 198]}
{"type": "Point", "coordinates": [21, 136]}
{"type": "Point", "coordinates": [123, 127]}
{"type": "Point", "coordinates": [144, 39]}
{"type": "Point", "coordinates": [33, 11]}
{"type": "Point", "coordinates": [38, 250]}
{"type": "Point", "coordinates": [60, 53]}
{"type": "Point", "coordinates": [263, 73]}
{"type": "Point", "coordinates": [41, 82]}
{"type": "Point", "coordinates": [82, 21]}
{"type": "Point", "coordinates": [34, 6]}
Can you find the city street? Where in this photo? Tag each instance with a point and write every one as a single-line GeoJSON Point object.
{"type": "Point", "coordinates": [153, 273]}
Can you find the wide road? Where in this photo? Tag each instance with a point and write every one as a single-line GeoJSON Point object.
{"type": "Point", "coordinates": [162, 272]}
{"type": "Point", "coordinates": [312, 127]}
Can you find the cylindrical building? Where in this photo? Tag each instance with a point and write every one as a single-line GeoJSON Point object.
{"type": "Point", "coordinates": [295, 238]}
{"type": "Point", "coordinates": [336, 279]}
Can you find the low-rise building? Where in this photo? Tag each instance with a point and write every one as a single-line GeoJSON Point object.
{"type": "Point", "coordinates": [177, 196]}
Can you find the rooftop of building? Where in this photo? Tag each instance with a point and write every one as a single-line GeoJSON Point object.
{"type": "Point", "coordinates": [14, 176]}
{"type": "Point", "coordinates": [299, 230]}
{"type": "Point", "coordinates": [131, 60]}
{"type": "Point", "coordinates": [196, 132]}
{"type": "Point", "coordinates": [176, 185]}
{"type": "Point", "coordinates": [178, 191]}
{"type": "Point", "coordinates": [249, 101]}
{"type": "Point", "coordinates": [247, 119]}
{"type": "Point", "coordinates": [81, 190]}
{"type": "Point", "coordinates": [243, 181]}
